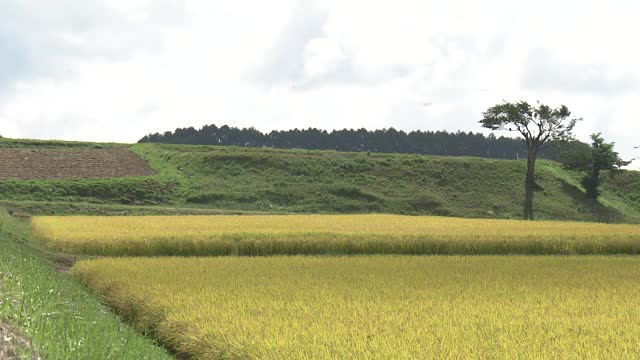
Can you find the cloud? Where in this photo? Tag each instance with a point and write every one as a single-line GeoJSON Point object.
{"type": "Point", "coordinates": [285, 61]}
{"type": "Point", "coordinates": [544, 72]}
{"type": "Point", "coordinates": [48, 39]}
{"type": "Point", "coordinates": [116, 70]}
{"type": "Point", "coordinates": [14, 61]}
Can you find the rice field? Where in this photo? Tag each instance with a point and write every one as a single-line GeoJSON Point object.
{"type": "Point", "coordinates": [385, 307]}
{"type": "Point", "coordinates": [165, 275]}
{"type": "Point", "coordinates": [328, 234]}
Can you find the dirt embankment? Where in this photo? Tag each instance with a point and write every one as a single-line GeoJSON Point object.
{"type": "Point", "coordinates": [70, 164]}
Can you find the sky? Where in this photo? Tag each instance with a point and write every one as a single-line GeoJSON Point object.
{"type": "Point", "coordinates": [116, 70]}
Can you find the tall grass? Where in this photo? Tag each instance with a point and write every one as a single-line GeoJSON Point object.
{"type": "Point", "coordinates": [385, 307]}
{"type": "Point", "coordinates": [60, 317]}
{"type": "Point", "coordinates": [328, 234]}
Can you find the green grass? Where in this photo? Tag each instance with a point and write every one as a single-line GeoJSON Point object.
{"type": "Point", "coordinates": [150, 190]}
{"type": "Point", "coordinates": [58, 315]}
{"type": "Point", "coordinates": [39, 208]}
{"type": "Point", "coordinates": [339, 182]}
{"type": "Point", "coordinates": [379, 307]}
{"type": "Point", "coordinates": [301, 181]}
{"type": "Point", "coordinates": [55, 144]}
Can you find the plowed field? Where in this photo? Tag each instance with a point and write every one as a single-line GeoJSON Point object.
{"type": "Point", "coordinates": [70, 164]}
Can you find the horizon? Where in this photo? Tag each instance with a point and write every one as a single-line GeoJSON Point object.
{"type": "Point", "coordinates": [634, 165]}
{"type": "Point", "coordinates": [114, 71]}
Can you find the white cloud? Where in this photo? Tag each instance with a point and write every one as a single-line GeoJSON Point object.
{"type": "Point", "coordinates": [116, 70]}
{"type": "Point", "coordinates": [544, 72]}
{"type": "Point", "coordinates": [323, 56]}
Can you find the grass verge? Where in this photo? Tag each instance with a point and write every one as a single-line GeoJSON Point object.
{"type": "Point", "coordinates": [56, 313]}
{"type": "Point", "coordinates": [34, 208]}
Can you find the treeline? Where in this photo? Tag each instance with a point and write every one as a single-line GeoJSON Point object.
{"type": "Point", "coordinates": [382, 141]}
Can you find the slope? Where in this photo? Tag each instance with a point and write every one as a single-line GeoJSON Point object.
{"type": "Point", "coordinates": [214, 179]}
{"type": "Point", "coordinates": [339, 182]}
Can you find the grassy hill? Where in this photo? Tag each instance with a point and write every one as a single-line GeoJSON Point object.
{"type": "Point", "coordinates": [205, 179]}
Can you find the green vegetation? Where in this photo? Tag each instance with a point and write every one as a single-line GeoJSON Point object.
{"type": "Point", "coordinates": [623, 188]}
{"type": "Point", "coordinates": [35, 208]}
{"type": "Point", "coordinates": [328, 234]}
{"type": "Point", "coordinates": [61, 319]}
{"type": "Point", "coordinates": [297, 181]}
{"type": "Point", "coordinates": [599, 157]}
{"type": "Point", "coordinates": [56, 144]}
{"type": "Point", "coordinates": [336, 182]}
{"type": "Point", "coordinates": [136, 191]}
{"type": "Point", "coordinates": [538, 125]}
{"type": "Point", "coordinates": [379, 307]}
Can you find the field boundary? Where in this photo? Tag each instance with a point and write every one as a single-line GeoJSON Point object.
{"type": "Point", "coordinates": [62, 318]}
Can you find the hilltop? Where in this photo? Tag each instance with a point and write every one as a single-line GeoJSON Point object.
{"type": "Point", "coordinates": [214, 179]}
{"type": "Point", "coordinates": [441, 143]}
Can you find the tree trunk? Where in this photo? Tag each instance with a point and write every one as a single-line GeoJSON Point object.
{"type": "Point", "coordinates": [594, 183]}
{"type": "Point", "coordinates": [529, 185]}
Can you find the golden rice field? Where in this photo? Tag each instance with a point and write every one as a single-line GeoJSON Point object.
{"type": "Point", "coordinates": [384, 307]}
{"type": "Point", "coordinates": [328, 234]}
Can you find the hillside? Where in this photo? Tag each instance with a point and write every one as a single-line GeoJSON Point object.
{"type": "Point", "coordinates": [204, 179]}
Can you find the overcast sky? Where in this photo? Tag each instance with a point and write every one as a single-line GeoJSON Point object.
{"type": "Point", "coordinates": [115, 70]}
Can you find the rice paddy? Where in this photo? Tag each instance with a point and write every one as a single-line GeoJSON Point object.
{"type": "Point", "coordinates": [383, 302]}
{"type": "Point", "coordinates": [328, 234]}
{"type": "Point", "coordinates": [380, 307]}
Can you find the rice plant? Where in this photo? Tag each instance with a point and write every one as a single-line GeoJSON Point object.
{"type": "Point", "coordinates": [379, 307]}
{"type": "Point", "coordinates": [328, 234]}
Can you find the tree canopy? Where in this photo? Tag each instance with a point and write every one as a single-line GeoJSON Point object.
{"type": "Point", "coordinates": [383, 141]}
{"type": "Point", "coordinates": [601, 156]}
{"type": "Point", "coordinates": [538, 125]}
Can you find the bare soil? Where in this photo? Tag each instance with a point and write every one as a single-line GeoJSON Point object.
{"type": "Point", "coordinates": [33, 163]}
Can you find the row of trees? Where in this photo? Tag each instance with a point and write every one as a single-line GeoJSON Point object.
{"type": "Point", "coordinates": [383, 141]}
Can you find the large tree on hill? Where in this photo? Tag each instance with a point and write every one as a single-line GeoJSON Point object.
{"type": "Point", "coordinates": [539, 125]}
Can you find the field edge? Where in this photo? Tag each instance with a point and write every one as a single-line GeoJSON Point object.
{"type": "Point", "coordinates": [63, 318]}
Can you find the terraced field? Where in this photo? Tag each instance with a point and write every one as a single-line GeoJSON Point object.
{"type": "Point", "coordinates": [70, 163]}
{"type": "Point", "coordinates": [368, 305]}
{"type": "Point", "coordinates": [379, 307]}
{"type": "Point", "coordinates": [329, 234]}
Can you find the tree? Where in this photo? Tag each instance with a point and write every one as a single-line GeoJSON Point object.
{"type": "Point", "coordinates": [600, 157]}
{"type": "Point", "coordinates": [539, 125]}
